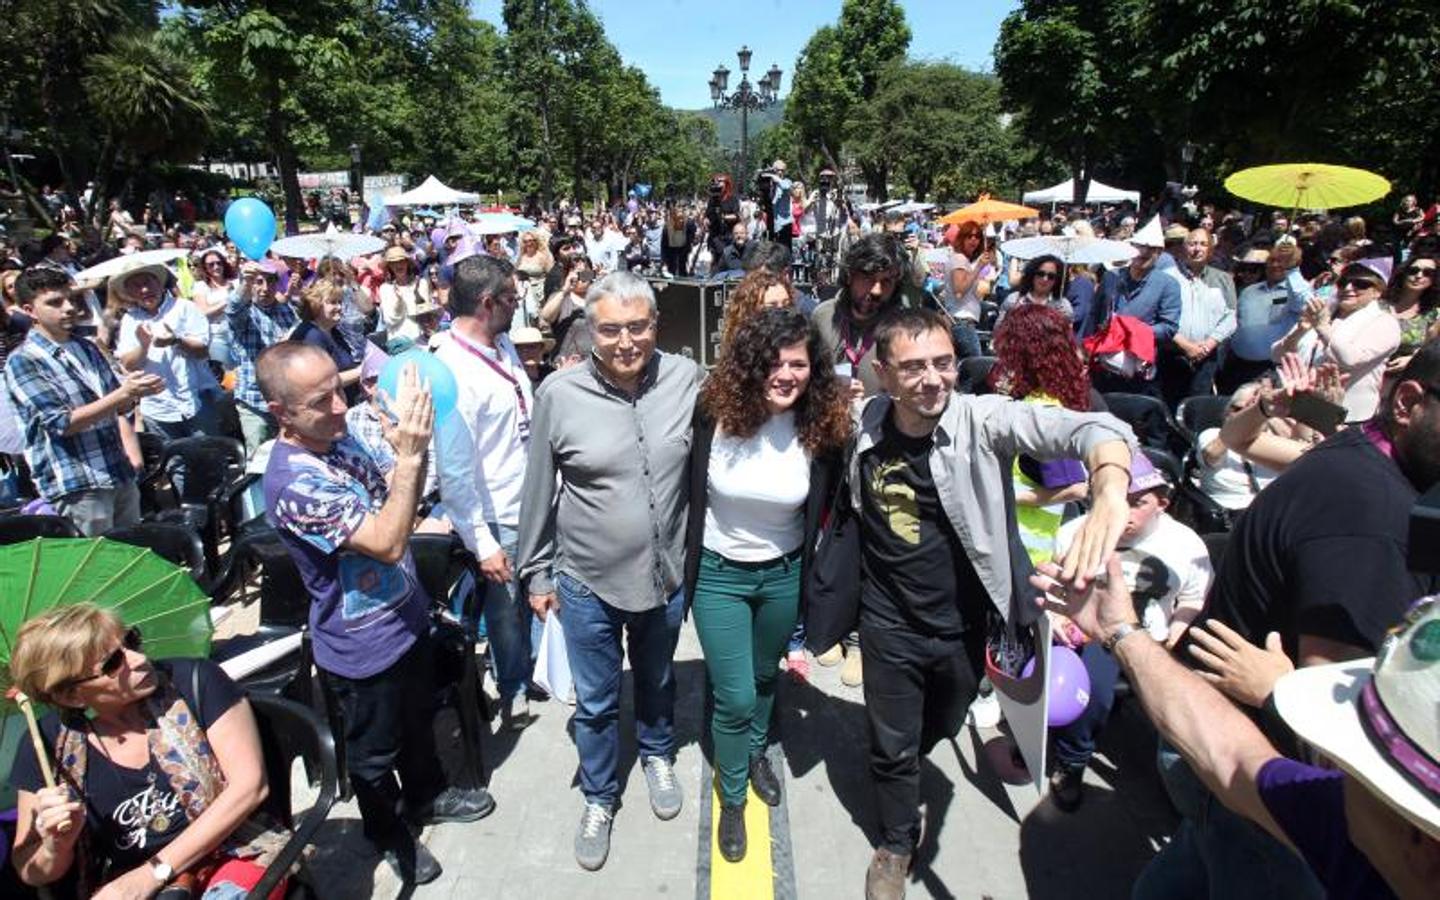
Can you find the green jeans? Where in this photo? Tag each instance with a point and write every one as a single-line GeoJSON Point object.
{"type": "Point", "coordinates": [744, 614]}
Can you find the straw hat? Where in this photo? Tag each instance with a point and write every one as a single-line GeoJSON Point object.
{"type": "Point", "coordinates": [529, 335]}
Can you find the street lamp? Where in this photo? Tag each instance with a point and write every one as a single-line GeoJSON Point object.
{"type": "Point", "coordinates": [1187, 156]}
{"type": "Point", "coordinates": [746, 97]}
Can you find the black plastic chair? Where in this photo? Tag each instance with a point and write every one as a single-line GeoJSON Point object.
{"type": "Point", "coordinates": [284, 611]}
{"type": "Point", "coordinates": [441, 560]}
{"type": "Point", "coordinates": [973, 376]}
{"type": "Point", "coordinates": [290, 731]}
{"type": "Point", "coordinates": [1150, 419]}
{"type": "Point", "coordinates": [211, 465]}
{"type": "Point", "coordinates": [17, 529]}
{"type": "Point", "coordinates": [156, 492]}
{"type": "Point", "coordinates": [1196, 414]}
{"type": "Point", "coordinates": [1216, 544]}
{"type": "Point", "coordinates": [177, 543]}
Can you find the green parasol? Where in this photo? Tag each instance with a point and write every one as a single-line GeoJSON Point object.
{"type": "Point", "coordinates": [143, 589]}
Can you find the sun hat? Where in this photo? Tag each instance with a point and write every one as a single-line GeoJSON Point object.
{"type": "Point", "coordinates": [1379, 718]}
{"type": "Point", "coordinates": [1254, 256]}
{"type": "Point", "coordinates": [1176, 232]}
{"type": "Point", "coordinates": [529, 335]}
{"type": "Point", "coordinates": [1377, 269]}
{"type": "Point", "coordinates": [396, 254]}
{"type": "Point", "coordinates": [1150, 235]}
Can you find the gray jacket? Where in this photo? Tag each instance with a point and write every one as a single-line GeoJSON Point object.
{"type": "Point", "coordinates": [972, 463]}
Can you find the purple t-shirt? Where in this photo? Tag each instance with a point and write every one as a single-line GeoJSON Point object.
{"type": "Point", "coordinates": [364, 614]}
{"type": "Point", "coordinates": [1308, 803]}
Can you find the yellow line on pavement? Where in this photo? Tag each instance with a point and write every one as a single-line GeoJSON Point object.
{"type": "Point", "coordinates": [752, 878]}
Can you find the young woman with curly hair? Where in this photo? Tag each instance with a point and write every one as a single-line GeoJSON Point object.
{"type": "Point", "coordinates": [761, 289]}
{"type": "Point", "coordinates": [769, 427]}
{"type": "Point", "coordinates": [1037, 361]}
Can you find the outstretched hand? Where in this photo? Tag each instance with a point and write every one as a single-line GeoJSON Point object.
{"type": "Point", "coordinates": [1095, 605]}
{"type": "Point", "coordinates": [1242, 671]}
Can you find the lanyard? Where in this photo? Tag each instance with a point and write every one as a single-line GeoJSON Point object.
{"type": "Point", "coordinates": [524, 424]}
{"type": "Point", "coordinates": [858, 351]}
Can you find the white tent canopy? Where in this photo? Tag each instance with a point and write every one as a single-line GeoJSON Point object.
{"type": "Point", "coordinates": [432, 192]}
{"type": "Point", "coordinates": [1064, 192]}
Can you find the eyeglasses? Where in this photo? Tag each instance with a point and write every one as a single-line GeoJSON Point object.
{"type": "Point", "coordinates": [1047, 274]}
{"type": "Point", "coordinates": [1357, 284]}
{"type": "Point", "coordinates": [611, 331]}
{"type": "Point", "coordinates": [916, 368]}
{"type": "Point", "coordinates": [111, 664]}
{"type": "Point", "coordinates": [1420, 271]}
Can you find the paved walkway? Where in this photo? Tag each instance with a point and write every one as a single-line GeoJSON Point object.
{"type": "Point", "coordinates": [984, 837]}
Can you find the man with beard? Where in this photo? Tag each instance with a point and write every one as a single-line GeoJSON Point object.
{"type": "Point", "coordinates": [1318, 559]}
{"type": "Point", "coordinates": [872, 279]}
{"type": "Point", "coordinates": [482, 460]}
{"type": "Point", "coordinates": [928, 478]}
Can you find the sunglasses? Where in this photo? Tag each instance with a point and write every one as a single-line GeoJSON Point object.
{"type": "Point", "coordinates": [130, 640]}
{"type": "Point", "coordinates": [1047, 275]}
{"type": "Point", "coordinates": [1421, 271]}
{"type": "Point", "coordinates": [1357, 284]}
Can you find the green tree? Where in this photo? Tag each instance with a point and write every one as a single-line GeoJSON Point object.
{"type": "Point", "coordinates": [261, 55]}
{"type": "Point", "coordinates": [1065, 69]}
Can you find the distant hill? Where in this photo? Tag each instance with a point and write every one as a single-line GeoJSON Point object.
{"type": "Point", "coordinates": [727, 122]}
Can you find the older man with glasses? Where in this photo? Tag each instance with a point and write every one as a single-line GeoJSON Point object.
{"type": "Point", "coordinates": [604, 543]}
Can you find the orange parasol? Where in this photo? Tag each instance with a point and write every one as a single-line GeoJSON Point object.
{"type": "Point", "coordinates": [985, 211]}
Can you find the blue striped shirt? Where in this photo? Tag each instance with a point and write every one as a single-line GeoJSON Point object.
{"type": "Point", "coordinates": [252, 329]}
{"type": "Point", "coordinates": [48, 382]}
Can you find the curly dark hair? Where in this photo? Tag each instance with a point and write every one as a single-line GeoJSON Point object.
{"type": "Point", "coordinates": [734, 394]}
{"type": "Point", "coordinates": [745, 301]}
{"type": "Point", "coordinates": [1035, 353]}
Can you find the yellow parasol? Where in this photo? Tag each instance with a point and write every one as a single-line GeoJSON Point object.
{"type": "Point", "coordinates": [1307, 186]}
{"type": "Point", "coordinates": [985, 211]}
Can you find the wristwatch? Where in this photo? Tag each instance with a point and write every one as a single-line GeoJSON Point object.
{"type": "Point", "coordinates": [1122, 631]}
{"type": "Point", "coordinates": [161, 870]}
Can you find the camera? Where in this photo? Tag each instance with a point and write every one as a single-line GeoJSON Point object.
{"type": "Point", "coordinates": [826, 179]}
{"type": "Point", "coordinates": [716, 188]}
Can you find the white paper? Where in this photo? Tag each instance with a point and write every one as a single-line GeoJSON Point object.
{"type": "Point", "coordinates": [552, 665]}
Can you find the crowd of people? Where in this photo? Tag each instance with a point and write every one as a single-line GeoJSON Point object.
{"type": "Point", "coordinates": [829, 490]}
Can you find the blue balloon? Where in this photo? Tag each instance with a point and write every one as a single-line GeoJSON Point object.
{"type": "Point", "coordinates": [251, 225]}
{"type": "Point", "coordinates": [442, 381]}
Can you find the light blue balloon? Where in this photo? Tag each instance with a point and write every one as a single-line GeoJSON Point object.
{"type": "Point", "coordinates": [250, 224]}
{"type": "Point", "coordinates": [429, 367]}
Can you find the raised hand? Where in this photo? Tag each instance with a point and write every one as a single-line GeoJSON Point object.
{"type": "Point", "coordinates": [412, 420]}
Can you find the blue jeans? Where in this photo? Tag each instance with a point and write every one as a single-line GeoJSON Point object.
{"type": "Point", "coordinates": [1218, 853]}
{"type": "Point", "coordinates": [1075, 743]}
{"type": "Point", "coordinates": [593, 632]}
{"type": "Point", "coordinates": [507, 623]}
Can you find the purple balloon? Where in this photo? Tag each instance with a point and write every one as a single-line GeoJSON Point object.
{"type": "Point", "coordinates": [1069, 686]}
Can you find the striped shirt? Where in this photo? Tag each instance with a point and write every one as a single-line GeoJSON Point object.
{"type": "Point", "coordinates": [48, 382]}
{"type": "Point", "coordinates": [252, 329]}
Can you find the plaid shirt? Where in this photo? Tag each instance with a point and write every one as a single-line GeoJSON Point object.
{"type": "Point", "coordinates": [252, 329]}
{"type": "Point", "coordinates": [48, 382]}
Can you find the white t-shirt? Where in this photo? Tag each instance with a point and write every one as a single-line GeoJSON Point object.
{"type": "Point", "coordinates": [186, 377]}
{"type": "Point", "coordinates": [1229, 483]}
{"type": "Point", "coordinates": [968, 305]}
{"type": "Point", "coordinates": [757, 490]}
{"type": "Point", "coordinates": [1165, 568]}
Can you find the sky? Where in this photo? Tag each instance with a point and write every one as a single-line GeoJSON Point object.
{"type": "Point", "coordinates": [678, 43]}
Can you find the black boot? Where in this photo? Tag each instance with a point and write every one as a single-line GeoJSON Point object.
{"type": "Point", "coordinates": [732, 832]}
{"type": "Point", "coordinates": [763, 779]}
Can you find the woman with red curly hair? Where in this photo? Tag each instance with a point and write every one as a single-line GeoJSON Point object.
{"type": "Point", "coordinates": [1037, 361]}
{"type": "Point", "coordinates": [761, 289]}
{"type": "Point", "coordinates": [767, 435]}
